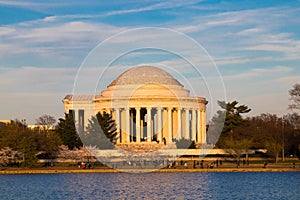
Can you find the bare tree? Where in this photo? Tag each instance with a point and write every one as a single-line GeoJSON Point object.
{"type": "Point", "coordinates": [295, 97]}
{"type": "Point", "coordinates": [46, 121]}
{"type": "Point", "coordinates": [293, 120]}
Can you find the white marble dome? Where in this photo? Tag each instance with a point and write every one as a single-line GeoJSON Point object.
{"type": "Point", "coordinates": [145, 81]}
{"type": "Point", "coordinates": [145, 75]}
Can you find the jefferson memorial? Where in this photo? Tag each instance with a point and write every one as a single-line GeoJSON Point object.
{"type": "Point", "coordinates": [148, 105]}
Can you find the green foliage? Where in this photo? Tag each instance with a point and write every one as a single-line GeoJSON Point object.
{"type": "Point", "coordinates": [48, 143]}
{"type": "Point", "coordinates": [274, 148]}
{"type": "Point", "coordinates": [233, 119]}
{"type": "Point", "coordinates": [17, 136]}
{"type": "Point", "coordinates": [233, 116]}
{"type": "Point", "coordinates": [28, 148]}
{"type": "Point", "coordinates": [108, 126]}
{"type": "Point", "coordinates": [185, 144]}
{"type": "Point", "coordinates": [67, 132]}
{"type": "Point", "coordinates": [237, 147]}
{"type": "Point", "coordinates": [11, 134]}
{"type": "Point", "coordinates": [101, 131]}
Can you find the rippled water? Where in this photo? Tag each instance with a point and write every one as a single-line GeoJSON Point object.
{"type": "Point", "coordinates": [151, 186]}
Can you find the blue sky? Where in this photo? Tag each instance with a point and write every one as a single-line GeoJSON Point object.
{"type": "Point", "coordinates": [255, 44]}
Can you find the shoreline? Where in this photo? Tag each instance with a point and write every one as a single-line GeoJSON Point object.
{"type": "Point", "coordinates": [9, 171]}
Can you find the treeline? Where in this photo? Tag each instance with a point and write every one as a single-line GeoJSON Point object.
{"type": "Point", "coordinates": [24, 145]}
{"type": "Point", "coordinates": [279, 135]}
{"type": "Point", "coordinates": [18, 142]}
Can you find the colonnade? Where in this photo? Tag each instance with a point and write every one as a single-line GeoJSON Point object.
{"type": "Point", "coordinates": [160, 124]}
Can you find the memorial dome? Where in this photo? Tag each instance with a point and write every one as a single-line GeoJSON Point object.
{"type": "Point", "coordinates": [145, 82]}
{"type": "Point", "coordinates": [145, 75]}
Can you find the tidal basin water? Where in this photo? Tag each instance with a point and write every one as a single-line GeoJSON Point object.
{"type": "Point", "coordinates": [282, 185]}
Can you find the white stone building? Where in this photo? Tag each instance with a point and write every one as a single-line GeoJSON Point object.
{"type": "Point", "coordinates": [148, 105]}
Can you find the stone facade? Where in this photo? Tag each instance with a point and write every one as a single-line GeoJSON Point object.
{"type": "Point", "coordinates": [148, 105]}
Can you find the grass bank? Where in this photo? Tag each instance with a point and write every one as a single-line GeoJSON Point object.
{"type": "Point", "coordinates": [225, 168]}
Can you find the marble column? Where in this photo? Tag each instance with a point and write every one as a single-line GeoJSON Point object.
{"type": "Point", "coordinates": [179, 135]}
{"type": "Point", "coordinates": [203, 124]}
{"type": "Point", "coordinates": [159, 124]}
{"type": "Point", "coordinates": [165, 123]}
{"type": "Point", "coordinates": [117, 110]}
{"type": "Point", "coordinates": [149, 134]}
{"type": "Point", "coordinates": [194, 125]}
{"type": "Point", "coordinates": [187, 124]}
{"type": "Point", "coordinates": [127, 129]}
{"type": "Point", "coordinates": [169, 139]}
{"type": "Point", "coordinates": [138, 124]}
{"type": "Point", "coordinates": [123, 125]}
{"type": "Point", "coordinates": [199, 137]}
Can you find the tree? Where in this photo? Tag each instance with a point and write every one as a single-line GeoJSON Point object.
{"type": "Point", "coordinates": [94, 135]}
{"type": "Point", "coordinates": [237, 147]}
{"type": "Point", "coordinates": [28, 149]}
{"type": "Point", "coordinates": [18, 137]}
{"type": "Point", "coordinates": [292, 134]}
{"type": "Point", "coordinates": [295, 97]}
{"type": "Point", "coordinates": [67, 132]}
{"type": "Point", "coordinates": [108, 126]}
{"type": "Point", "coordinates": [293, 119]}
{"type": "Point", "coordinates": [274, 148]}
{"type": "Point", "coordinates": [101, 131]}
{"type": "Point", "coordinates": [48, 144]}
{"type": "Point", "coordinates": [29, 143]}
{"type": "Point", "coordinates": [233, 119]}
{"type": "Point", "coordinates": [233, 116]}
{"type": "Point", "coordinates": [46, 121]}
{"type": "Point", "coordinates": [12, 133]}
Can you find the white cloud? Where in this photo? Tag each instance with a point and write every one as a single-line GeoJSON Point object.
{"type": "Point", "coordinates": [61, 41]}
{"type": "Point", "coordinates": [17, 3]}
{"type": "Point", "coordinates": [70, 31]}
{"type": "Point", "coordinates": [233, 19]}
{"type": "Point", "coordinates": [155, 6]}
{"type": "Point", "coordinates": [50, 19]}
{"type": "Point", "coordinates": [259, 72]}
{"type": "Point", "coordinates": [222, 22]}
{"type": "Point", "coordinates": [276, 69]}
{"type": "Point", "coordinates": [250, 31]}
{"type": "Point", "coordinates": [33, 79]}
{"type": "Point", "coordinates": [6, 30]}
{"type": "Point", "coordinates": [230, 60]}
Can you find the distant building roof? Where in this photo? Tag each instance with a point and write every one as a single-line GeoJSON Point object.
{"type": "Point", "coordinates": [40, 127]}
{"type": "Point", "coordinates": [5, 121]}
{"type": "Point", "coordinates": [2, 122]}
{"type": "Point", "coordinates": [84, 97]}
